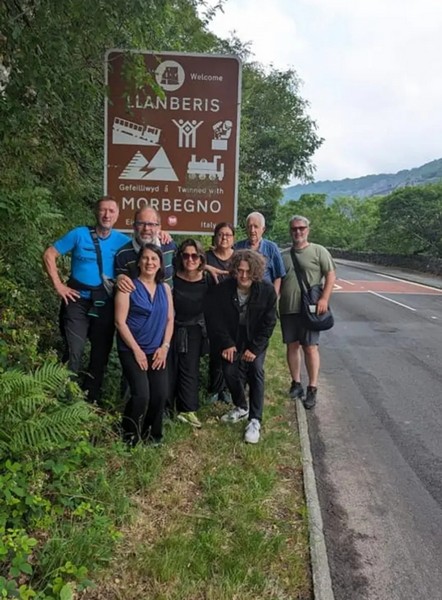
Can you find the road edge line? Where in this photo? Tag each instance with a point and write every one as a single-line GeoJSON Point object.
{"type": "Point", "coordinates": [407, 277]}
{"type": "Point", "coordinates": [322, 585]}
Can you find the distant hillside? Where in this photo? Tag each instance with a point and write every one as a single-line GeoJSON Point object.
{"type": "Point", "coordinates": [369, 185]}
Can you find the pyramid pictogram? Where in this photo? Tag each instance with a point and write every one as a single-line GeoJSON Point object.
{"type": "Point", "coordinates": [158, 169]}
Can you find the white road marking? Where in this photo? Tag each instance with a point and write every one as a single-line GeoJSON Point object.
{"type": "Point", "coordinates": [337, 287]}
{"type": "Point", "coordinates": [345, 281]}
{"type": "Point", "coordinates": [429, 287]}
{"type": "Point", "coordinates": [390, 300]}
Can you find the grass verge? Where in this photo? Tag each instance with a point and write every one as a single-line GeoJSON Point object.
{"type": "Point", "coordinates": [218, 519]}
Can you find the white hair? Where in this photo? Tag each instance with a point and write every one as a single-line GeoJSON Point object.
{"type": "Point", "coordinates": [259, 216]}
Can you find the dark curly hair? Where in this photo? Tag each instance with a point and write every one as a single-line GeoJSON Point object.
{"type": "Point", "coordinates": [255, 260]}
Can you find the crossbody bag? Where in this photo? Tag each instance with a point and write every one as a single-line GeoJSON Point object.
{"type": "Point", "coordinates": [309, 299]}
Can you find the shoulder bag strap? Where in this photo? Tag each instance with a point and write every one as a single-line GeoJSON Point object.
{"type": "Point", "coordinates": [302, 280]}
{"type": "Point", "coordinates": [94, 237]}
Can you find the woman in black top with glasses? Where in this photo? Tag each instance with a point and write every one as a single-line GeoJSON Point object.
{"type": "Point", "coordinates": [220, 255]}
{"type": "Point", "coordinates": [219, 258]}
{"type": "Point", "coordinates": [190, 286]}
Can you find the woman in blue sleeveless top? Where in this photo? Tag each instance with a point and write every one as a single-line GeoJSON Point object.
{"type": "Point", "coordinates": [144, 320]}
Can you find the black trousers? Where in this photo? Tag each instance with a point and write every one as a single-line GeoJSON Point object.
{"type": "Point", "coordinates": [186, 369]}
{"type": "Point", "coordinates": [240, 372]}
{"type": "Point", "coordinates": [143, 414]}
{"type": "Point", "coordinates": [77, 327]}
{"type": "Point", "coordinates": [216, 377]}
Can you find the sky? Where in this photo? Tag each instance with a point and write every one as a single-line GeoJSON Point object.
{"type": "Point", "coordinates": [370, 71]}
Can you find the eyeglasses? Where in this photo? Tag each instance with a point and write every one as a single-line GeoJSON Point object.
{"type": "Point", "coordinates": [303, 228]}
{"type": "Point", "coordinates": [146, 224]}
{"type": "Point", "coordinates": [190, 256]}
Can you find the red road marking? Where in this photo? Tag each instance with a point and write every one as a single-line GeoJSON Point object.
{"type": "Point", "coordinates": [386, 287]}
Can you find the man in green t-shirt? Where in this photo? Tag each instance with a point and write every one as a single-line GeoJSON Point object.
{"type": "Point", "coordinates": [318, 266]}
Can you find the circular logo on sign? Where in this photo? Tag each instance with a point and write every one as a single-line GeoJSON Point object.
{"type": "Point", "coordinates": [172, 221]}
{"type": "Point", "coordinates": [170, 75]}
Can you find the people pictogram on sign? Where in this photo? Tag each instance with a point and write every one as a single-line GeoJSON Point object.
{"type": "Point", "coordinates": [187, 132]}
{"type": "Point", "coordinates": [221, 134]}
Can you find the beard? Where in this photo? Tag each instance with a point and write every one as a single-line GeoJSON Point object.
{"type": "Point", "coordinates": [148, 239]}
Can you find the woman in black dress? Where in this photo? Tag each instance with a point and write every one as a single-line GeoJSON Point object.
{"type": "Point", "coordinates": [219, 258]}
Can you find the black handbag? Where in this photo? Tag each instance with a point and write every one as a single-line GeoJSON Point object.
{"type": "Point", "coordinates": [309, 300]}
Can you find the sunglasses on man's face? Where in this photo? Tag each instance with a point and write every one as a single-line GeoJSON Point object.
{"type": "Point", "coordinates": [190, 256]}
{"type": "Point", "coordinates": [303, 228]}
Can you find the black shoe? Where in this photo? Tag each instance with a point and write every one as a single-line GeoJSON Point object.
{"type": "Point", "coordinates": [296, 390]}
{"type": "Point", "coordinates": [154, 442]}
{"type": "Point", "coordinates": [310, 399]}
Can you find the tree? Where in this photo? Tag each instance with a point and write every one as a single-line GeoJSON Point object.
{"type": "Point", "coordinates": [278, 138]}
{"type": "Point", "coordinates": [51, 116]}
{"type": "Point", "coordinates": [411, 221]}
{"type": "Point", "coordinates": [52, 111]}
{"type": "Point", "coordinates": [346, 222]}
{"type": "Point", "coordinates": [353, 222]}
{"type": "Point", "coordinates": [51, 106]}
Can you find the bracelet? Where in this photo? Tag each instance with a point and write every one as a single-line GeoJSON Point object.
{"type": "Point", "coordinates": [166, 345]}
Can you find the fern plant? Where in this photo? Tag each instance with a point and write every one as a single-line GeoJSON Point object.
{"type": "Point", "coordinates": [41, 411]}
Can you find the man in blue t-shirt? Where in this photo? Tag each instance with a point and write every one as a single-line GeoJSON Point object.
{"type": "Point", "coordinates": [87, 305]}
{"type": "Point", "coordinates": [275, 270]}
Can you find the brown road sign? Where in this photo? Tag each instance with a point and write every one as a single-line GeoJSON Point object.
{"type": "Point", "coordinates": [176, 150]}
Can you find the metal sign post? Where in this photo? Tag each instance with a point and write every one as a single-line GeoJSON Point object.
{"type": "Point", "coordinates": [176, 151]}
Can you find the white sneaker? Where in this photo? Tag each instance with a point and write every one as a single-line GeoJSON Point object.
{"type": "Point", "coordinates": [235, 415]}
{"type": "Point", "coordinates": [252, 432]}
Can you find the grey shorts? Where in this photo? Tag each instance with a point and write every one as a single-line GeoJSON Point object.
{"type": "Point", "coordinates": [293, 330]}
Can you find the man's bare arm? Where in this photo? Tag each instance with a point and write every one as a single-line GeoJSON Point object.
{"type": "Point", "coordinates": [215, 272]}
{"type": "Point", "coordinates": [329, 282]}
{"type": "Point", "coordinates": [277, 285]}
{"type": "Point", "coordinates": [125, 283]}
{"type": "Point", "coordinates": [50, 262]}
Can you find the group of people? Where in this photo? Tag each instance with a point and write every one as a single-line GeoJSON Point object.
{"type": "Point", "coordinates": [171, 304]}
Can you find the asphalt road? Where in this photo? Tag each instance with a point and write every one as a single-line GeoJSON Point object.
{"type": "Point", "coordinates": [376, 438]}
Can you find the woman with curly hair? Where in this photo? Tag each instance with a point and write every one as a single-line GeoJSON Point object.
{"type": "Point", "coordinates": [241, 316]}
